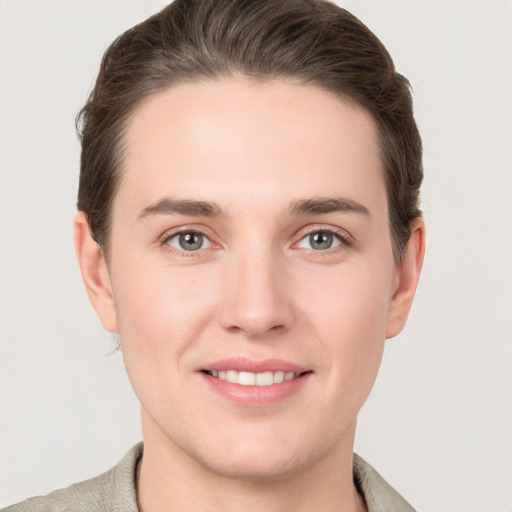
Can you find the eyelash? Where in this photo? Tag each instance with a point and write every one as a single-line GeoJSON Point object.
{"type": "Point", "coordinates": [342, 236]}
{"type": "Point", "coordinates": [345, 240]}
{"type": "Point", "coordinates": [168, 235]}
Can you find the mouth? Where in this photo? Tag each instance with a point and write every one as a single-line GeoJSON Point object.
{"type": "Point", "coordinates": [246, 378]}
{"type": "Point", "coordinates": [255, 383]}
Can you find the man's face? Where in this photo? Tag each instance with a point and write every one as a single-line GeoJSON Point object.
{"type": "Point", "coordinates": [250, 236]}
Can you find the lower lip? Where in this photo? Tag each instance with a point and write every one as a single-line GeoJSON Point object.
{"type": "Point", "coordinates": [256, 396]}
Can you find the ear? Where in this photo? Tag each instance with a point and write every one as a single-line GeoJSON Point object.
{"type": "Point", "coordinates": [407, 276]}
{"type": "Point", "coordinates": [94, 273]}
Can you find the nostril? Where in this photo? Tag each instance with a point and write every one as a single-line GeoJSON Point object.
{"type": "Point", "coordinates": [256, 330]}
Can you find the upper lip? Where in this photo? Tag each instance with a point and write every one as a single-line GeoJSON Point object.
{"type": "Point", "coordinates": [248, 365]}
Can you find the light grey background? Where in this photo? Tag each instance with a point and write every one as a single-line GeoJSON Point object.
{"type": "Point", "coordinates": [438, 424]}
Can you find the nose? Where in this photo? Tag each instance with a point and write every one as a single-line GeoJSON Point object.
{"type": "Point", "coordinates": [255, 296]}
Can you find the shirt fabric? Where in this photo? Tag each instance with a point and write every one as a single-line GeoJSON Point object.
{"type": "Point", "coordinates": [115, 491]}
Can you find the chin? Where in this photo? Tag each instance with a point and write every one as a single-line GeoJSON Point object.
{"type": "Point", "coordinates": [255, 467]}
{"type": "Point", "coordinates": [259, 454]}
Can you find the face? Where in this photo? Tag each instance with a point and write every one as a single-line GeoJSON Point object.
{"type": "Point", "coordinates": [251, 275]}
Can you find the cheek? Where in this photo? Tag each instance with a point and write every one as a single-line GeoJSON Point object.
{"type": "Point", "coordinates": [349, 319]}
{"type": "Point", "coordinates": [163, 309]}
{"type": "Point", "coordinates": [354, 300]}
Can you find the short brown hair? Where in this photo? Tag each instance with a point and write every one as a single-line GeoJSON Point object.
{"type": "Point", "coordinates": [313, 41]}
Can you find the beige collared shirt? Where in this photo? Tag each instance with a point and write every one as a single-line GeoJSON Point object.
{"type": "Point", "coordinates": [115, 491]}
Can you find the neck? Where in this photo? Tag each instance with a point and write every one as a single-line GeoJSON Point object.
{"type": "Point", "coordinates": [170, 479]}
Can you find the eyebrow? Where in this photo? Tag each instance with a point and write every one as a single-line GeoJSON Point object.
{"type": "Point", "coordinates": [312, 206]}
{"type": "Point", "coordinates": [171, 206]}
{"type": "Point", "coordinates": [321, 205]}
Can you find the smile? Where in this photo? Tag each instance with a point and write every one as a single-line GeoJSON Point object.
{"type": "Point", "coordinates": [255, 383]}
{"type": "Point", "coordinates": [253, 379]}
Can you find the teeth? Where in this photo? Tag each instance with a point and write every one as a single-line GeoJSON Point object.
{"type": "Point", "coordinates": [278, 377]}
{"type": "Point", "coordinates": [232, 376]}
{"type": "Point", "coordinates": [246, 378]}
{"type": "Point", "coordinates": [264, 379]}
{"type": "Point", "coordinates": [253, 379]}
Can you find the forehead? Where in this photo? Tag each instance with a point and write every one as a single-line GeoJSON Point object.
{"type": "Point", "coordinates": [248, 142]}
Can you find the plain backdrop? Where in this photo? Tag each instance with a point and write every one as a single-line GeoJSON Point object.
{"type": "Point", "coordinates": [438, 424]}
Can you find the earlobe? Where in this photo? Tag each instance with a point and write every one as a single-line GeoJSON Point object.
{"type": "Point", "coordinates": [408, 274]}
{"type": "Point", "coordinates": [94, 273]}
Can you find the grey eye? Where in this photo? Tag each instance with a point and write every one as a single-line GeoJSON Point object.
{"type": "Point", "coordinates": [320, 241]}
{"type": "Point", "coordinates": [189, 241]}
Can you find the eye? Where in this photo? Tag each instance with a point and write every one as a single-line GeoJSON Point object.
{"type": "Point", "coordinates": [189, 241]}
{"type": "Point", "coordinates": [320, 241]}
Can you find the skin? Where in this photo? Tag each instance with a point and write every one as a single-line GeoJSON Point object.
{"type": "Point", "coordinates": [256, 288]}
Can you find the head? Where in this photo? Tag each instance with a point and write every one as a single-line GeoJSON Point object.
{"type": "Point", "coordinates": [249, 205]}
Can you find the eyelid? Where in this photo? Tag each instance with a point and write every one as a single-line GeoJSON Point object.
{"type": "Point", "coordinates": [170, 241]}
{"type": "Point", "coordinates": [187, 228]}
{"type": "Point", "coordinates": [346, 238]}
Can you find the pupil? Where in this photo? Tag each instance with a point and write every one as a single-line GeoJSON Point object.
{"type": "Point", "coordinates": [191, 241]}
{"type": "Point", "coordinates": [321, 241]}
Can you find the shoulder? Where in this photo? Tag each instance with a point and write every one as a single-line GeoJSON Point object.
{"type": "Point", "coordinates": [113, 490]}
{"type": "Point", "coordinates": [378, 494]}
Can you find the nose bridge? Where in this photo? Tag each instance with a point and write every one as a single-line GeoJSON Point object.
{"type": "Point", "coordinates": [255, 298]}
